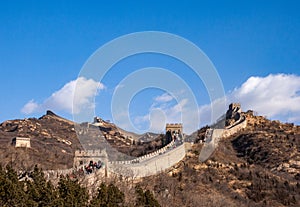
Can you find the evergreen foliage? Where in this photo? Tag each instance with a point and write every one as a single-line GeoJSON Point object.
{"type": "Point", "coordinates": [145, 198]}
{"type": "Point", "coordinates": [39, 191]}
{"type": "Point", "coordinates": [36, 191]}
{"type": "Point", "coordinates": [108, 196]}
{"type": "Point", "coordinates": [71, 193]}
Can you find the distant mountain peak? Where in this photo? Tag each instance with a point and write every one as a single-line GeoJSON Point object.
{"type": "Point", "coordinates": [51, 113]}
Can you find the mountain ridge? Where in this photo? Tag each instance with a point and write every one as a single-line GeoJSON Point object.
{"type": "Point", "coordinates": [257, 166]}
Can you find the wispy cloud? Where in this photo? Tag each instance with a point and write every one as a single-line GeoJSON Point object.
{"type": "Point", "coordinates": [165, 109]}
{"type": "Point", "coordinates": [276, 96]}
{"type": "Point", "coordinates": [164, 98]}
{"type": "Point", "coordinates": [30, 107]}
{"type": "Point", "coordinates": [166, 113]}
{"type": "Point", "coordinates": [64, 99]}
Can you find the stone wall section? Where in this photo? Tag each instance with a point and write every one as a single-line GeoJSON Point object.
{"type": "Point", "coordinates": [235, 128]}
{"type": "Point", "coordinates": [86, 156]}
{"type": "Point", "coordinates": [149, 164]}
{"type": "Point", "coordinates": [147, 156]}
{"type": "Point", "coordinates": [153, 164]}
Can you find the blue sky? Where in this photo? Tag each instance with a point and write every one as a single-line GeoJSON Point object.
{"type": "Point", "coordinates": [254, 45]}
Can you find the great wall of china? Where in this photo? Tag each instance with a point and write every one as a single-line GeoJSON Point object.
{"type": "Point", "coordinates": [150, 165]}
{"type": "Point", "coordinates": [160, 160]}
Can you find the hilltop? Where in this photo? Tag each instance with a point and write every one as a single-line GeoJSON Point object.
{"type": "Point", "coordinates": [54, 141]}
{"type": "Point", "coordinates": [258, 165]}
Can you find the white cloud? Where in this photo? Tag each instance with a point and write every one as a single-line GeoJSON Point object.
{"type": "Point", "coordinates": [210, 113]}
{"type": "Point", "coordinates": [64, 99]}
{"type": "Point", "coordinates": [164, 111]}
{"type": "Point", "coordinates": [164, 98]}
{"type": "Point", "coordinates": [275, 96]}
{"type": "Point", "coordinates": [158, 120]}
{"type": "Point", "coordinates": [30, 107]}
{"type": "Point", "coordinates": [139, 119]}
{"type": "Point", "coordinates": [178, 108]}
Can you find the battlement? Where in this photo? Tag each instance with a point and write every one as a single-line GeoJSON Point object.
{"type": "Point", "coordinates": [83, 157]}
{"type": "Point", "coordinates": [89, 153]}
{"type": "Point", "coordinates": [174, 127]}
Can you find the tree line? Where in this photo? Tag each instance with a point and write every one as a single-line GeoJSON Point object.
{"type": "Point", "coordinates": [36, 191]}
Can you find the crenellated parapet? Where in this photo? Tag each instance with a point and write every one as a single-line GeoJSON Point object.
{"type": "Point", "coordinates": [174, 127]}
{"type": "Point", "coordinates": [149, 164]}
{"type": "Point", "coordinates": [88, 153]}
{"type": "Point", "coordinates": [82, 157]}
{"type": "Point", "coordinates": [151, 155]}
{"type": "Point", "coordinates": [235, 128]}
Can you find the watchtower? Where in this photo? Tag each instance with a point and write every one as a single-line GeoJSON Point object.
{"type": "Point", "coordinates": [235, 107]}
{"type": "Point", "coordinates": [174, 128]}
{"type": "Point", "coordinates": [21, 142]}
{"type": "Point", "coordinates": [84, 157]}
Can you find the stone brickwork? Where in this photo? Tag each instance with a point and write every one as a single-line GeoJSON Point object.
{"type": "Point", "coordinates": [176, 127]}
{"type": "Point", "coordinates": [84, 157]}
{"type": "Point", "coordinates": [235, 121]}
{"type": "Point", "coordinates": [146, 165]}
{"type": "Point", "coordinates": [236, 128]}
{"type": "Point", "coordinates": [147, 156]}
{"type": "Point", "coordinates": [149, 165]}
{"type": "Point", "coordinates": [21, 142]}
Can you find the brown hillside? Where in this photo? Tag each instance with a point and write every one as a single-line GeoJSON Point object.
{"type": "Point", "coordinates": [54, 141]}
{"type": "Point", "coordinates": [258, 166]}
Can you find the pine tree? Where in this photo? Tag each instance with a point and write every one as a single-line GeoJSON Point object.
{"type": "Point", "coordinates": [40, 192]}
{"type": "Point", "coordinates": [108, 196]}
{"type": "Point", "coordinates": [70, 193]}
{"type": "Point", "coordinates": [11, 190]}
{"type": "Point", "coordinates": [145, 199]}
